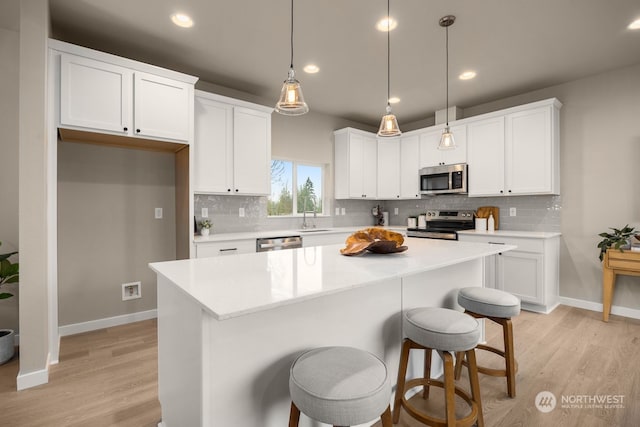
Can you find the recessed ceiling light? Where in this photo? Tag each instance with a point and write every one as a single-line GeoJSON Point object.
{"type": "Point", "coordinates": [386, 24]}
{"type": "Point", "coordinates": [394, 100]}
{"type": "Point", "coordinates": [467, 75]}
{"type": "Point", "coordinates": [182, 20]}
{"type": "Point", "coordinates": [311, 68]}
{"type": "Point", "coordinates": [635, 25]}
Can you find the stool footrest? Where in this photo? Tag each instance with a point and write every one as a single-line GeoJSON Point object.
{"type": "Point", "coordinates": [467, 421]}
{"type": "Point", "coordinates": [490, 371]}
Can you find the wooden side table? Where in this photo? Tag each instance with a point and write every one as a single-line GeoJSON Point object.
{"type": "Point", "coordinates": [616, 262]}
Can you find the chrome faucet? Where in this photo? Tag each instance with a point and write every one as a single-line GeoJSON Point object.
{"type": "Point", "coordinates": [304, 213]}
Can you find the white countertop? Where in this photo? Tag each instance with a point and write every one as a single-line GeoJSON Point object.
{"type": "Point", "coordinates": [230, 286]}
{"type": "Point", "coordinates": [509, 233]}
{"type": "Point", "coordinates": [221, 237]}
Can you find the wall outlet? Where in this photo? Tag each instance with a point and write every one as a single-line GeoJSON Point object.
{"type": "Point", "coordinates": [131, 290]}
{"type": "Point", "coordinates": [343, 211]}
{"type": "Point", "coordinates": [241, 212]}
{"type": "Point", "coordinates": [337, 211]}
{"type": "Point", "coordinates": [512, 211]}
{"type": "Point", "coordinates": [158, 213]}
{"type": "Point", "coordinates": [205, 213]}
{"type": "Point", "coordinates": [395, 211]}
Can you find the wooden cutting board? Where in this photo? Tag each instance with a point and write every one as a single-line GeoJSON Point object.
{"type": "Point", "coordinates": [485, 211]}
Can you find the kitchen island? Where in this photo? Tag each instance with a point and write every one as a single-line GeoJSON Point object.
{"type": "Point", "coordinates": [230, 327]}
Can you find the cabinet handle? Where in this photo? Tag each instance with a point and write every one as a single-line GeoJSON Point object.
{"type": "Point", "coordinates": [236, 190]}
{"type": "Point", "coordinates": [398, 196]}
{"type": "Point", "coordinates": [496, 243]}
{"type": "Point", "coordinates": [125, 129]}
{"type": "Point", "coordinates": [509, 191]}
{"type": "Point", "coordinates": [228, 189]}
{"type": "Point", "coordinates": [137, 130]}
{"type": "Point", "coordinates": [228, 249]}
{"type": "Point", "coordinates": [501, 191]}
{"type": "Point", "coordinates": [499, 253]}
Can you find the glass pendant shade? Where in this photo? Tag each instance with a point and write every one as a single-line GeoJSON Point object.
{"type": "Point", "coordinates": [447, 142]}
{"type": "Point", "coordinates": [389, 124]}
{"type": "Point", "coordinates": [291, 102]}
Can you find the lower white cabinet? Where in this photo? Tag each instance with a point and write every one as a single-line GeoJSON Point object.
{"type": "Point", "coordinates": [530, 272]}
{"type": "Point", "coordinates": [229, 247]}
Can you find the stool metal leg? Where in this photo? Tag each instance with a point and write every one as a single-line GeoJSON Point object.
{"type": "Point", "coordinates": [294, 416]}
{"type": "Point", "coordinates": [507, 329]}
{"type": "Point", "coordinates": [402, 374]}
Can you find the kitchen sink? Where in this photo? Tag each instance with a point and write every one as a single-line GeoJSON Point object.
{"type": "Point", "coordinates": [313, 230]}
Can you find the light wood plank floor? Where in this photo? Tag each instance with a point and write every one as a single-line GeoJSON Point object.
{"type": "Point", "coordinates": [109, 377]}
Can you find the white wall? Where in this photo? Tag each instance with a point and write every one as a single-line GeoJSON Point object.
{"type": "Point", "coordinates": [9, 70]}
{"type": "Point", "coordinates": [107, 233]}
{"type": "Point", "coordinates": [600, 159]}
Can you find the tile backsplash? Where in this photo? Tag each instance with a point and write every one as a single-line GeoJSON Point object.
{"type": "Point", "coordinates": [533, 213]}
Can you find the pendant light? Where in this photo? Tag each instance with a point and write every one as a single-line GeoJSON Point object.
{"type": "Point", "coordinates": [447, 142]}
{"type": "Point", "coordinates": [389, 123]}
{"type": "Point", "coordinates": [291, 102]}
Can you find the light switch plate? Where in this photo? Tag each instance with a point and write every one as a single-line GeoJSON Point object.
{"type": "Point", "coordinates": [512, 211]}
{"type": "Point", "coordinates": [343, 210]}
{"type": "Point", "coordinates": [205, 212]}
{"type": "Point", "coordinates": [241, 212]}
{"type": "Point", "coordinates": [337, 211]}
{"type": "Point", "coordinates": [158, 213]}
{"type": "Point", "coordinates": [395, 211]}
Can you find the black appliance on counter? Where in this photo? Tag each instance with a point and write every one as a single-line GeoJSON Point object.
{"type": "Point", "coordinates": [443, 224]}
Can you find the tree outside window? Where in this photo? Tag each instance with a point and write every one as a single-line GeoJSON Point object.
{"type": "Point", "coordinates": [295, 187]}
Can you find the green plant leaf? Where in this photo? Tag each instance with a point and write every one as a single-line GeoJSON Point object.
{"type": "Point", "coordinates": [6, 256]}
{"type": "Point", "coordinates": [5, 295]}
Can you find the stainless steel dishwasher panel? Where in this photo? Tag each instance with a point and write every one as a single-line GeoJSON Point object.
{"type": "Point", "coordinates": [278, 243]}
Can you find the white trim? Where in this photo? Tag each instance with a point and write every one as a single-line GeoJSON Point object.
{"type": "Point", "coordinates": [596, 306]}
{"type": "Point", "coordinates": [92, 325]}
{"type": "Point", "coordinates": [542, 309]}
{"type": "Point", "coordinates": [33, 379]}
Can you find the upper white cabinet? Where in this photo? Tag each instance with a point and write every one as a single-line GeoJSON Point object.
{"type": "Point", "coordinates": [516, 152]}
{"type": "Point", "coordinates": [388, 168]}
{"type": "Point", "coordinates": [355, 164]}
{"type": "Point", "coordinates": [409, 167]}
{"type": "Point", "coordinates": [105, 97]}
{"type": "Point", "coordinates": [232, 146]}
{"type": "Point", "coordinates": [429, 141]}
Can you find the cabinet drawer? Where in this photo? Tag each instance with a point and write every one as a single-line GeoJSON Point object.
{"type": "Point", "coordinates": [524, 245]}
{"type": "Point", "coordinates": [231, 247]}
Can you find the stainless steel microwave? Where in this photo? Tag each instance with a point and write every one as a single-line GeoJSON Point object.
{"type": "Point", "coordinates": [446, 179]}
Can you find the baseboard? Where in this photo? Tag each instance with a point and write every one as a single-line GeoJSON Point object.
{"type": "Point", "coordinates": [33, 379]}
{"type": "Point", "coordinates": [596, 306]}
{"type": "Point", "coordinates": [92, 325]}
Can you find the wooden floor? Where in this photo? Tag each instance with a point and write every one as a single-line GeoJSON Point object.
{"type": "Point", "coordinates": [109, 377]}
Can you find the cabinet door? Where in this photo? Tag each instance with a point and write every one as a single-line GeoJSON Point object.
{"type": "Point", "coordinates": [94, 95]}
{"type": "Point", "coordinates": [213, 147]}
{"type": "Point", "coordinates": [388, 166]}
{"type": "Point", "coordinates": [528, 152]}
{"type": "Point", "coordinates": [409, 167]}
{"type": "Point", "coordinates": [429, 153]}
{"type": "Point", "coordinates": [485, 140]}
{"type": "Point", "coordinates": [205, 250]}
{"type": "Point", "coordinates": [369, 168]}
{"type": "Point", "coordinates": [251, 151]}
{"type": "Point", "coordinates": [521, 273]}
{"type": "Point", "coordinates": [356, 173]}
{"type": "Point", "coordinates": [162, 107]}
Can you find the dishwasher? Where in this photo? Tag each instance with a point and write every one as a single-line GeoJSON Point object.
{"type": "Point", "coordinates": [278, 243]}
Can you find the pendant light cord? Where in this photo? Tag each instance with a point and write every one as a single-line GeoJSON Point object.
{"type": "Point", "coordinates": [447, 71]}
{"type": "Point", "coordinates": [292, 34]}
{"type": "Point", "coordinates": [388, 54]}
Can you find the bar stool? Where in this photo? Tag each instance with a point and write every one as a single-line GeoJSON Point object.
{"type": "Point", "coordinates": [446, 331]}
{"type": "Point", "coordinates": [500, 307]}
{"type": "Point", "coordinates": [342, 386]}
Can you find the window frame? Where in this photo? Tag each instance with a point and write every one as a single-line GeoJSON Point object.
{"type": "Point", "coordinates": [294, 183]}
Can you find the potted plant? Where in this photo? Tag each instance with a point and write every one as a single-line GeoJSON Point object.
{"type": "Point", "coordinates": [616, 240]}
{"type": "Point", "coordinates": [8, 274]}
{"type": "Point", "coordinates": [205, 226]}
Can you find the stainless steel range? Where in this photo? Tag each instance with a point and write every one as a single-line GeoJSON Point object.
{"type": "Point", "coordinates": [443, 225]}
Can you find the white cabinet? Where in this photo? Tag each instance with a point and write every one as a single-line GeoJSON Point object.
{"type": "Point", "coordinates": [108, 98]}
{"type": "Point", "coordinates": [530, 272]}
{"type": "Point", "coordinates": [388, 168]}
{"type": "Point", "coordinates": [230, 247]}
{"type": "Point", "coordinates": [232, 146]}
{"type": "Point", "coordinates": [430, 155]}
{"type": "Point", "coordinates": [516, 152]}
{"type": "Point", "coordinates": [409, 167]}
{"type": "Point", "coordinates": [355, 164]}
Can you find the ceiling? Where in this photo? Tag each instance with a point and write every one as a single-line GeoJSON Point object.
{"type": "Point", "coordinates": [514, 46]}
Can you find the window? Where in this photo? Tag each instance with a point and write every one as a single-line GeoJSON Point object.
{"type": "Point", "coordinates": [295, 187]}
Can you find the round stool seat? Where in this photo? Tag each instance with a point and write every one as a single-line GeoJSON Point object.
{"type": "Point", "coordinates": [340, 385]}
{"type": "Point", "coordinates": [441, 328]}
{"type": "Point", "coordinates": [489, 302]}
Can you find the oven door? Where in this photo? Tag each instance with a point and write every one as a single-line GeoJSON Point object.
{"type": "Point", "coordinates": [435, 183]}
